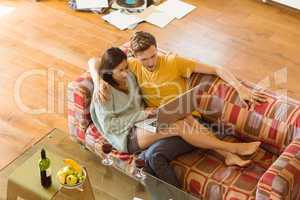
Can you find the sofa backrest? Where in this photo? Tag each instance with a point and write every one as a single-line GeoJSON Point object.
{"type": "Point", "coordinates": [276, 123]}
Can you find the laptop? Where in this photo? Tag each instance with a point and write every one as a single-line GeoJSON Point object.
{"type": "Point", "coordinates": [172, 111]}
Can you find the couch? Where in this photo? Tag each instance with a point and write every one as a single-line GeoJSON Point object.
{"type": "Point", "coordinates": [275, 170]}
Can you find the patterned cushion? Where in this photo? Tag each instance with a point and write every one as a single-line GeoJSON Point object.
{"type": "Point", "coordinates": [275, 123]}
{"type": "Point", "coordinates": [282, 180]}
{"type": "Point", "coordinates": [204, 174]}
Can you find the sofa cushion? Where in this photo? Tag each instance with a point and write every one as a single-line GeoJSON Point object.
{"type": "Point", "coordinates": [204, 174]}
{"type": "Point", "coordinates": [275, 123]}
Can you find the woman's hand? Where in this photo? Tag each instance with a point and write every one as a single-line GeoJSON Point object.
{"type": "Point", "coordinates": [101, 88]}
{"type": "Point", "coordinates": [94, 62]}
{"type": "Point", "coordinates": [102, 91]}
{"type": "Point", "coordinates": [150, 112]}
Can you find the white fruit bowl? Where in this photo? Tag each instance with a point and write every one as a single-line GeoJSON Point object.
{"type": "Point", "coordinates": [78, 185]}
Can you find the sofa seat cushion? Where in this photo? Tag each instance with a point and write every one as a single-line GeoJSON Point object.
{"type": "Point", "coordinates": [204, 174]}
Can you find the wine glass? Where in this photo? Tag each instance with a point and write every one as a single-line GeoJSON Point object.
{"type": "Point", "coordinates": [107, 148]}
{"type": "Point", "coordinates": [139, 164]}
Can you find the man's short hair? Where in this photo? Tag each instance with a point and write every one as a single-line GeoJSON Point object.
{"type": "Point", "coordinates": [141, 41]}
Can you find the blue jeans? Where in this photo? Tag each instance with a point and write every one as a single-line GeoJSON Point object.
{"type": "Point", "coordinates": [159, 155]}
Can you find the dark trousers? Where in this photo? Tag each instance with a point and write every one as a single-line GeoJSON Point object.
{"type": "Point", "coordinates": [159, 155]}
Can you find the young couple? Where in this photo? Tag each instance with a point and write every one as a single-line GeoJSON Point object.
{"type": "Point", "coordinates": [117, 105]}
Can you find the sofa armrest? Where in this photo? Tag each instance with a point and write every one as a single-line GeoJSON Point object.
{"type": "Point", "coordinates": [79, 98]}
{"type": "Point", "coordinates": [282, 179]}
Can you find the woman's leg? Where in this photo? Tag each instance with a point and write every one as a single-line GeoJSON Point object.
{"type": "Point", "coordinates": [233, 159]}
{"type": "Point", "coordinates": [198, 135]}
{"type": "Point", "coordinates": [230, 158]}
{"type": "Point", "coordinates": [146, 138]}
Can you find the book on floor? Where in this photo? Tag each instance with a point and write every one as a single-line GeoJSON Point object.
{"type": "Point", "coordinates": [90, 4]}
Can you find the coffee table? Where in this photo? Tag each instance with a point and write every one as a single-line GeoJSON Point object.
{"type": "Point", "coordinates": [106, 182]}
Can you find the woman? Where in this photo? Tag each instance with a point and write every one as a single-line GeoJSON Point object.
{"type": "Point", "coordinates": [116, 117]}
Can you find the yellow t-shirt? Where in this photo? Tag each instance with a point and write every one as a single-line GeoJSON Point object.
{"type": "Point", "coordinates": [167, 81]}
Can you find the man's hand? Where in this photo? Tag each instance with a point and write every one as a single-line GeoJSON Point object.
{"type": "Point", "coordinates": [150, 112]}
{"type": "Point", "coordinates": [102, 88]}
{"type": "Point", "coordinates": [248, 96]}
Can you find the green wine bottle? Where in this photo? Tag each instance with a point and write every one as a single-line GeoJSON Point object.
{"type": "Point", "coordinates": [45, 170]}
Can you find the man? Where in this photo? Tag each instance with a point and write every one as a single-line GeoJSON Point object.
{"type": "Point", "coordinates": [161, 78]}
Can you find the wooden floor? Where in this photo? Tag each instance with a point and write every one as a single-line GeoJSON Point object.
{"type": "Point", "coordinates": [258, 42]}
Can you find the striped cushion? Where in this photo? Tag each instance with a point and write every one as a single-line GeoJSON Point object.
{"type": "Point", "coordinates": [275, 123]}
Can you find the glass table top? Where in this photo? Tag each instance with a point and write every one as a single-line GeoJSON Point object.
{"type": "Point", "coordinates": [108, 182]}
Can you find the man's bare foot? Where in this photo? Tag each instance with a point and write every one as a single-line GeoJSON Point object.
{"type": "Point", "coordinates": [247, 148]}
{"type": "Point", "coordinates": [232, 159]}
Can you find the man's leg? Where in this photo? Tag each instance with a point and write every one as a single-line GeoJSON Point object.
{"type": "Point", "coordinates": [159, 155]}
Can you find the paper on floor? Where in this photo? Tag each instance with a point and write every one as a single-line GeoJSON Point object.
{"type": "Point", "coordinates": [121, 20]}
{"type": "Point", "coordinates": [176, 8]}
{"type": "Point", "coordinates": [155, 16]}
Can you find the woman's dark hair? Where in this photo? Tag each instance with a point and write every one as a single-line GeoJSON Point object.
{"type": "Point", "coordinates": [109, 61]}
